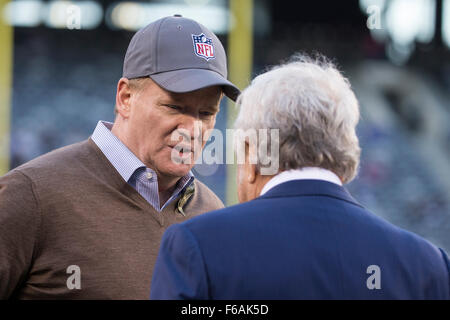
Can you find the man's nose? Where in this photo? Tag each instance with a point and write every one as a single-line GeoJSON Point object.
{"type": "Point", "coordinates": [191, 128]}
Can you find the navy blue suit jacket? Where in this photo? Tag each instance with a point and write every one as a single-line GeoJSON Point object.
{"type": "Point", "coordinates": [303, 239]}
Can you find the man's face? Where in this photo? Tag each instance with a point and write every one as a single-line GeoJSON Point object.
{"type": "Point", "coordinates": [157, 116]}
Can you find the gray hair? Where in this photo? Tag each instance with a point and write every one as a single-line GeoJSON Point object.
{"type": "Point", "coordinates": [315, 110]}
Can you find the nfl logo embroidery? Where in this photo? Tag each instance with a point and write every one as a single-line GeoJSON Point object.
{"type": "Point", "coordinates": [203, 46]}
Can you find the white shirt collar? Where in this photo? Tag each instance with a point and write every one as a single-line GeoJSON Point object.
{"type": "Point", "coordinates": [313, 173]}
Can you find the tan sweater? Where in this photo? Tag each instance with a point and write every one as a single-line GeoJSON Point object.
{"type": "Point", "coordinates": [72, 228]}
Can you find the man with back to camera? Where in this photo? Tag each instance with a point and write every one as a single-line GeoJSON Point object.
{"type": "Point", "coordinates": [85, 221]}
{"type": "Point", "coordinates": [298, 234]}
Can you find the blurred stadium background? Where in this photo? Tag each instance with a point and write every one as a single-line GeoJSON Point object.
{"type": "Point", "coordinates": [61, 60]}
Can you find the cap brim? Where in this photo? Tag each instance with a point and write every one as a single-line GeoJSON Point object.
{"type": "Point", "coordinates": [187, 80]}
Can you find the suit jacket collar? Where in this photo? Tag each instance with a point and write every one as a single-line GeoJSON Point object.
{"type": "Point", "coordinates": [306, 187]}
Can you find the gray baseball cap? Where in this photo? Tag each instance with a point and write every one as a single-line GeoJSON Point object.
{"type": "Point", "coordinates": [180, 55]}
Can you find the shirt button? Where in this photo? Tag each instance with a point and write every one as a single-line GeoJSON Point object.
{"type": "Point", "coordinates": [149, 175]}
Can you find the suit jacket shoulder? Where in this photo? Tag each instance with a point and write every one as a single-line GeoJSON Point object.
{"type": "Point", "coordinates": [306, 240]}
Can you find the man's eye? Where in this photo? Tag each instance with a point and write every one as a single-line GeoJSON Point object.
{"type": "Point", "coordinates": [171, 106]}
{"type": "Point", "coordinates": [206, 114]}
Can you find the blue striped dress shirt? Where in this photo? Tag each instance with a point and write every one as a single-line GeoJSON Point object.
{"type": "Point", "coordinates": [132, 170]}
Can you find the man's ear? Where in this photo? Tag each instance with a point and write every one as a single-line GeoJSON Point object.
{"type": "Point", "coordinates": [123, 96]}
{"type": "Point", "coordinates": [250, 166]}
{"type": "Point", "coordinates": [251, 174]}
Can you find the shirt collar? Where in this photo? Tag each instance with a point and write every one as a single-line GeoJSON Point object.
{"type": "Point", "coordinates": [125, 161]}
{"type": "Point", "coordinates": [301, 174]}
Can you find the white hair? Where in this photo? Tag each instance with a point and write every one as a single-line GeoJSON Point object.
{"type": "Point", "coordinates": [315, 110]}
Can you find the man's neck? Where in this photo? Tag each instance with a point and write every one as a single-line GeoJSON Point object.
{"type": "Point", "coordinates": [261, 181]}
{"type": "Point", "coordinates": [166, 186]}
{"type": "Point", "coordinates": [165, 181]}
{"type": "Point", "coordinates": [163, 197]}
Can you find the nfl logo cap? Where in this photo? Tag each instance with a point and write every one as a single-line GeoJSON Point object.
{"type": "Point", "coordinates": [180, 55]}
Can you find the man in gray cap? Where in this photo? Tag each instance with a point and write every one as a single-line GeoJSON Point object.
{"type": "Point", "coordinates": [85, 221]}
